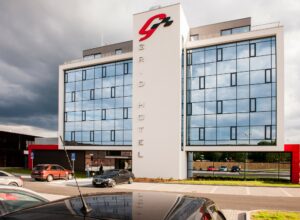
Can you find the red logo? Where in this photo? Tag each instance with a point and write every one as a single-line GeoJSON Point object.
{"type": "Point", "coordinates": [147, 32]}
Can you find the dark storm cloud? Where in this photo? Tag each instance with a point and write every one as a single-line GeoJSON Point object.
{"type": "Point", "coordinates": [36, 37]}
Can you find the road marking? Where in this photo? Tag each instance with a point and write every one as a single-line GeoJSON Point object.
{"type": "Point", "coordinates": [152, 187]}
{"type": "Point", "coordinates": [285, 193]}
{"type": "Point", "coordinates": [182, 188]}
{"type": "Point", "coordinates": [247, 190]}
{"type": "Point", "coordinates": [214, 189]}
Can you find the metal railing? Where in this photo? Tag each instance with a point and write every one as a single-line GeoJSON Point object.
{"type": "Point", "coordinates": [265, 26]}
{"type": "Point", "coordinates": [93, 57]}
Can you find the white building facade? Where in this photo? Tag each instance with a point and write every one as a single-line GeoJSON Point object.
{"type": "Point", "coordinates": [175, 90]}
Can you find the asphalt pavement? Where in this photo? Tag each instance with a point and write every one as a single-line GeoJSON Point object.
{"type": "Point", "coordinates": [227, 197]}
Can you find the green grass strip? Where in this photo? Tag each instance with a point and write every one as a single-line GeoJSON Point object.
{"type": "Point", "coordinates": [275, 215]}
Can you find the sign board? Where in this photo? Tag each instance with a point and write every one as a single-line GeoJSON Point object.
{"type": "Point", "coordinates": [157, 54]}
{"type": "Point", "coordinates": [32, 155]}
{"type": "Point", "coordinates": [73, 156]}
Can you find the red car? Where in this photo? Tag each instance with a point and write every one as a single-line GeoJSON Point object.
{"type": "Point", "coordinates": [211, 168]}
{"type": "Point", "coordinates": [50, 172]}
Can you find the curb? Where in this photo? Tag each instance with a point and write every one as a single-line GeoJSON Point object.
{"type": "Point", "coordinates": [292, 187]}
{"type": "Point", "coordinates": [248, 214]}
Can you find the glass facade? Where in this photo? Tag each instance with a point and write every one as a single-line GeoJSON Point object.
{"type": "Point", "coordinates": [98, 105]}
{"type": "Point", "coordinates": [231, 94]}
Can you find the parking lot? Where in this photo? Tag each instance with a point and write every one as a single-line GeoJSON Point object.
{"type": "Point", "coordinates": [227, 197]}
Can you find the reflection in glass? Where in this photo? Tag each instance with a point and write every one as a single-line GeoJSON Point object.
{"type": "Point", "coordinates": [237, 105]}
{"type": "Point", "coordinates": [95, 100]}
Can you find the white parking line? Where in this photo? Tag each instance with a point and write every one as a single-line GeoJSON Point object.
{"type": "Point", "coordinates": [214, 189]}
{"type": "Point", "coordinates": [286, 193]}
{"type": "Point", "coordinates": [152, 187]}
{"type": "Point", "coordinates": [247, 190]}
{"type": "Point", "coordinates": [182, 188]}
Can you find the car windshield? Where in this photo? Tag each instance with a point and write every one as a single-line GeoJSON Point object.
{"type": "Point", "coordinates": [110, 172]}
{"type": "Point", "coordinates": [41, 167]}
{"type": "Point", "coordinates": [11, 201]}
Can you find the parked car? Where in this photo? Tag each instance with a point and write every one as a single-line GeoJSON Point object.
{"type": "Point", "coordinates": [10, 179]}
{"type": "Point", "coordinates": [112, 177]}
{"type": "Point", "coordinates": [223, 168]}
{"type": "Point", "coordinates": [50, 172]}
{"type": "Point", "coordinates": [211, 168]}
{"type": "Point", "coordinates": [235, 169]}
{"type": "Point", "coordinates": [14, 198]}
{"type": "Point", "coordinates": [125, 205]}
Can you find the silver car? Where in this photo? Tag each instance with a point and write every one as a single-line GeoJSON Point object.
{"type": "Point", "coordinates": [10, 179]}
{"type": "Point", "coordinates": [13, 198]}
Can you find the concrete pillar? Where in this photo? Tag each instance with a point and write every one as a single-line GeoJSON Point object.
{"type": "Point", "coordinates": [190, 165]}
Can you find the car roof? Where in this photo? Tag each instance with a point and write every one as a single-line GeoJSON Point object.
{"type": "Point", "coordinates": [9, 174]}
{"type": "Point", "coordinates": [20, 189]}
{"type": "Point", "coordinates": [173, 205]}
{"type": "Point", "coordinates": [48, 164]}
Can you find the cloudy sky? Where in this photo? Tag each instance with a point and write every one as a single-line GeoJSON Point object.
{"type": "Point", "coordinates": [37, 36]}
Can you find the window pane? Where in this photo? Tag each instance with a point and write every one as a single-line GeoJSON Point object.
{"type": "Point", "coordinates": [223, 80]}
{"type": "Point", "coordinates": [263, 48]}
{"type": "Point", "coordinates": [243, 50]}
{"type": "Point", "coordinates": [197, 108]}
{"type": "Point", "coordinates": [260, 118]}
{"type": "Point", "coordinates": [210, 82]}
{"type": "Point", "coordinates": [242, 92]}
{"type": "Point", "coordinates": [243, 78]}
{"type": "Point", "coordinates": [223, 133]}
{"type": "Point", "coordinates": [229, 106]}
{"type": "Point", "coordinates": [243, 119]}
{"type": "Point", "coordinates": [210, 55]}
{"type": "Point", "coordinates": [198, 58]}
{"type": "Point", "coordinates": [210, 68]}
{"type": "Point", "coordinates": [226, 66]}
{"type": "Point", "coordinates": [243, 65]}
{"type": "Point", "coordinates": [210, 133]}
{"type": "Point", "coordinates": [227, 93]}
{"type": "Point", "coordinates": [225, 32]}
{"type": "Point", "coordinates": [202, 82]}
{"type": "Point", "coordinates": [229, 53]}
{"type": "Point", "coordinates": [243, 105]}
{"type": "Point", "coordinates": [210, 94]}
{"type": "Point", "coordinates": [263, 90]}
{"type": "Point", "coordinates": [210, 121]}
{"type": "Point", "coordinates": [259, 63]}
{"type": "Point", "coordinates": [210, 108]}
{"type": "Point", "coordinates": [226, 119]}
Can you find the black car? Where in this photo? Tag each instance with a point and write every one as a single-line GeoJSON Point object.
{"type": "Point", "coordinates": [112, 177]}
{"type": "Point", "coordinates": [133, 205]}
{"type": "Point", "coordinates": [235, 169]}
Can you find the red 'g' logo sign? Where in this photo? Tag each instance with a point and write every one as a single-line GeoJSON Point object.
{"type": "Point", "coordinates": [147, 32]}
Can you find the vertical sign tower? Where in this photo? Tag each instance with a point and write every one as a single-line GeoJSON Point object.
{"type": "Point", "coordinates": [159, 36]}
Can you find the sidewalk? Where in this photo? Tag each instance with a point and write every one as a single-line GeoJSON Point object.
{"type": "Point", "coordinates": [212, 189]}
{"type": "Point", "coordinates": [204, 189]}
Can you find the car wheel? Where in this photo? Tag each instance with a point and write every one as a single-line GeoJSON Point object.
{"type": "Point", "coordinates": [13, 184]}
{"type": "Point", "coordinates": [49, 178]}
{"type": "Point", "coordinates": [70, 176]}
{"type": "Point", "coordinates": [130, 181]}
{"type": "Point", "coordinates": [113, 183]}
